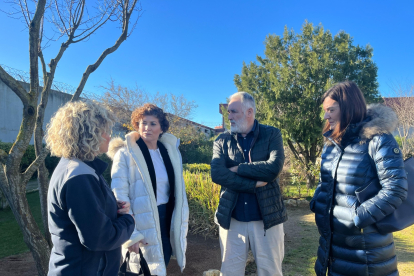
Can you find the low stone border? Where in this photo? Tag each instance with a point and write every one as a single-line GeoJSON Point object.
{"type": "Point", "coordinates": [301, 202]}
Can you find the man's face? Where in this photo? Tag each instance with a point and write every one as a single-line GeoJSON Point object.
{"type": "Point", "coordinates": [237, 118]}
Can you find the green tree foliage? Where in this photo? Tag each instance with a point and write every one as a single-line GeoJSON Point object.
{"type": "Point", "coordinates": [195, 147]}
{"type": "Point", "coordinates": [225, 116]}
{"type": "Point", "coordinates": [289, 81]}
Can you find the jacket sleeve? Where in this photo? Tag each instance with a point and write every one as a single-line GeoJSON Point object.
{"type": "Point", "coordinates": [266, 170]}
{"type": "Point", "coordinates": [315, 195]}
{"type": "Point", "coordinates": [393, 179]}
{"type": "Point", "coordinates": [120, 186]}
{"type": "Point", "coordinates": [85, 203]}
{"type": "Point", "coordinates": [221, 175]}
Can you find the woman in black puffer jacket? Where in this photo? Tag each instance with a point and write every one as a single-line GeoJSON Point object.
{"type": "Point", "coordinates": [350, 243]}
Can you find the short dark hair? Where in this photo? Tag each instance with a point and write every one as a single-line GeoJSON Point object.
{"type": "Point", "coordinates": [351, 103]}
{"type": "Point", "coordinates": [149, 110]}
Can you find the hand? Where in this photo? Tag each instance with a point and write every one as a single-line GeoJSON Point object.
{"type": "Point", "coordinates": [123, 207]}
{"type": "Point", "coordinates": [135, 247]}
{"type": "Point", "coordinates": [260, 184]}
{"type": "Point", "coordinates": [234, 169]}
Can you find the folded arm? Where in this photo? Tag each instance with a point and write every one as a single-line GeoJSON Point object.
{"type": "Point", "coordinates": [221, 175]}
{"type": "Point", "coordinates": [393, 179]}
{"type": "Point", "coordinates": [269, 169]}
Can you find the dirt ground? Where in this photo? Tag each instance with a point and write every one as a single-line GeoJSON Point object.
{"type": "Point", "coordinates": [202, 254]}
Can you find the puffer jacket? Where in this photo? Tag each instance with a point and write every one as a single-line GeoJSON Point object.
{"type": "Point", "coordinates": [350, 244]}
{"type": "Point", "coordinates": [266, 162]}
{"type": "Point", "coordinates": [131, 182]}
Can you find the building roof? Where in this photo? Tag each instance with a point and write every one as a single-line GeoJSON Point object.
{"type": "Point", "coordinates": [191, 122]}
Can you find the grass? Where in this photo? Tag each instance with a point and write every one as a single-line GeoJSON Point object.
{"type": "Point", "coordinates": [11, 236]}
{"type": "Point", "coordinates": [301, 243]}
{"type": "Point", "coordinates": [299, 191]}
{"type": "Point", "coordinates": [404, 242]}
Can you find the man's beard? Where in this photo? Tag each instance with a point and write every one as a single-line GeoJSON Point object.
{"type": "Point", "coordinates": [240, 125]}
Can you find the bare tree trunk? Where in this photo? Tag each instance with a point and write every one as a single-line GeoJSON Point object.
{"type": "Point", "coordinates": [12, 182]}
{"type": "Point", "coordinates": [307, 159]}
{"type": "Point", "coordinates": [31, 234]}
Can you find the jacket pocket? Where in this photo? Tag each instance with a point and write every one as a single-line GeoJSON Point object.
{"type": "Point", "coordinates": [369, 191]}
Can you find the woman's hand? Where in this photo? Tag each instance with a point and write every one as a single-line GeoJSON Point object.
{"type": "Point", "coordinates": [123, 207]}
{"type": "Point", "coordinates": [135, 247]}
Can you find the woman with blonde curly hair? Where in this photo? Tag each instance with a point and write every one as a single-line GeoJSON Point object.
{"type": "Point", "coordinates": [87, 224]}
{"type": "Point", "coordinates": [147, 172]}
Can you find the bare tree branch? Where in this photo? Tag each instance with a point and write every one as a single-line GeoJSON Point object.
{"type": "Point", "coordinates": [34, 32]}
{"type": "Point", "coordinates": [61, 19]}
{"type": "Point", "coordinates": [91, 68]}
{"type": "Point", "coordinates": [35, 165]}
{"type": "Point", "coordinates": [14, 86]}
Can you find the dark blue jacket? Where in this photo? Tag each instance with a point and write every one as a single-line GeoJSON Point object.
{"type": "Point", "coordinates": [86, 231]}
{"type": "Point", "coordinates": [267, 157]}
{"type": "Point", "coordinates": [350, 244]}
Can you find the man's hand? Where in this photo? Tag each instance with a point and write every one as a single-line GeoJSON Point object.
{"type": "Point", "coordinates": [260, 184]}
{"type": "Point", "coordinates": [234, 169]}
{"type": "Point", "coordinates": [123, 207]}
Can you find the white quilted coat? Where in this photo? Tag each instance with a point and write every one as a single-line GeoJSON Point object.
{"type": "Point", "coordinates": [131, 182]}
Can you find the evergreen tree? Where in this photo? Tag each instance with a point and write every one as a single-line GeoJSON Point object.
{"type": "Point", "coordinates": [289, 81]}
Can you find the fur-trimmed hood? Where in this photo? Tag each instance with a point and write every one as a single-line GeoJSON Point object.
{"type": "Point", "coordinates": [114, 145]}
{"type": "Point", "coordinates": [117, 143]}
{"type": "Point", "coordinates": [383, 120]}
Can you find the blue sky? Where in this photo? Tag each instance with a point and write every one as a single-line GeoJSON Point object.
{"type": "Point", "coordinates": [195, 48]}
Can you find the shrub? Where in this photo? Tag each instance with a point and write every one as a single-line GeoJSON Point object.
{"type": "Point", "coordinates": [406, 145]}
{"type": "Point", "coordinates": [203, 197]}
{"type": "Point", "coordinates": [195, 147]}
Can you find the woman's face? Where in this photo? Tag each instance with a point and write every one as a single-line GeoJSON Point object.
{"type": "Point", "coordinates": [332, 112]}
{"type": "Point", "coordinates": [103, 147]}
{"type": "Point", "coordinates": [149, 128]}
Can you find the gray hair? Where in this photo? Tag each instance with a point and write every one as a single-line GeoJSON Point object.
{"type": "Point", "coordinates": [246, 100]}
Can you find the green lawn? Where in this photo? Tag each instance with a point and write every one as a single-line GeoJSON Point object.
{"type": "Point", "coordinates": [11, 238]}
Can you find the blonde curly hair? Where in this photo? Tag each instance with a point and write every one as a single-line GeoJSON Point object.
{"type": "Point", "coordinates": [75, 131]}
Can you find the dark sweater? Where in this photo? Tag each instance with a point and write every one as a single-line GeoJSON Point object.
{"type": "Point", "coordinates": [83, 220]}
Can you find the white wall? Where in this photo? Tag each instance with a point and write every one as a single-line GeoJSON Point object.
{"type": "Point", "coordinates": [11, 110]}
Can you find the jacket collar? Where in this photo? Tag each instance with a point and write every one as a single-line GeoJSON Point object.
{"type": "Point", "coordinates": [98, 165]}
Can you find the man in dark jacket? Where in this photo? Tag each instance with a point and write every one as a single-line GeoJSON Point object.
{"type": "Point", "coordinates": [246, 163]}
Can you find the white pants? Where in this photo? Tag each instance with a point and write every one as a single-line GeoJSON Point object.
{"type": "Point", "coordinates": [268, 251]}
